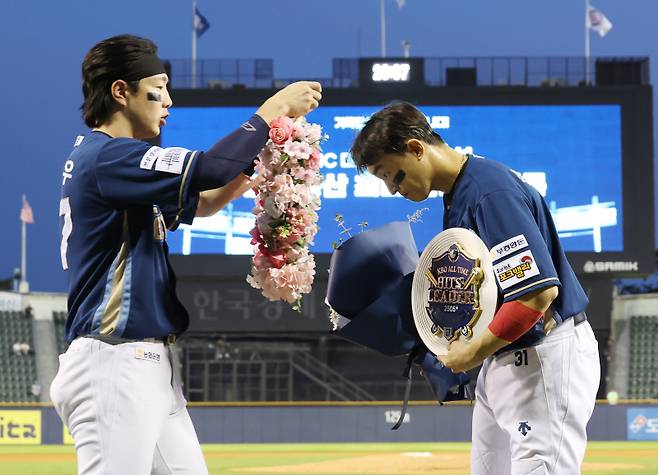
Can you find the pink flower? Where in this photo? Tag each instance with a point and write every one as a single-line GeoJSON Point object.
{"type": "Point", "coordinates": [297, 277]}
{"type": "Point", "coordinates": [299, 173]}
{"type": "Point", "coordinates": [302, 194]}
{"type": "Point", "coordinates": [299, 150]}
{"type": "Point", "coordinates": [299, 132]}
{"type": "Point", "coordinates": [274, 292]}
{"type": "Point", "coordinates": [280, 182]}
{"type": "Point", "coordinates": [314, 160]}
{"type": "Point", "coordinates": [313, 133]}
{"type": "Point", "coordinates": [281, 129]}
{"type": "Point", "coordinates": [293, 238]}
{"type": "Point", "coordinates": [277, 259]}
{"type": "Point", "coordinates": [308, 218]}
{"type": "Point", "coordinates": [285, 204]}
{"type": "Point", "coordinates": [255, 236]}
{"type": "Point", "coordinates": [262, 279]}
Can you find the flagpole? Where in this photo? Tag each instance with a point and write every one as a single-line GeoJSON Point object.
{"type": "Point", "coordinates": [586, 42]}
{"type": "Point", "coordinates": [193, 45]}
{"type": "Point", "coordinates": [382, 19]}
{"type": "Point", "coordinates": [23, 251]}
{"type": "Point", "coordinates": [23, 288]}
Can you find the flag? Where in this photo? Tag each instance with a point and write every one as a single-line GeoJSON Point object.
{"type": "Point", "coordinates": [199, 23]}
{"type": "Point", "coordinates": [401, 3]}
{"type": "Point", "coordinates": [597, 21]}
{"type": "Point", "coordinates": [26, 212]}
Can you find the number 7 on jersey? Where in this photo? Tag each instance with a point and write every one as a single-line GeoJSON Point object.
{"type": "Point", "coordinates": [65, 210]}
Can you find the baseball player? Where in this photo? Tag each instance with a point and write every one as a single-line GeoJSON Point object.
{"type": "Point", "coordinates": [540, 365]}
{"type": "Point", "coordinates": [116, 388]}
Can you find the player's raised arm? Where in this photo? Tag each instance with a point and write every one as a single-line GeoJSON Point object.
{"type": "Point", "coordinates": [131, 172]}
{"type": "Point", "coordinates": [236, 152]}
{"type": "Point", "coordinates": [219, 168]}
{"type": "Point", "coordinates": [211, 201]}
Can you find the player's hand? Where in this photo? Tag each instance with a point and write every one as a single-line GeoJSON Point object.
{"type": "Point", "coordinates": [461, 357]}
{"type": "Point", "coordinates": [549, 322]}
{"type": "Point", "coordinates": [247, 184]}
{"type": "Point", "coordinates": [295, 100]}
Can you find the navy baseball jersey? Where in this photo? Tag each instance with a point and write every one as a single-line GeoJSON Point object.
{"type": "Point", "coordinates": [514, 221]}
{"type": "Point", "coordinates": [119, 196]}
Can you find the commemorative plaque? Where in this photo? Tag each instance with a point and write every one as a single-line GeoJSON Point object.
{"type": "Point", "coordinates": [454, 292]}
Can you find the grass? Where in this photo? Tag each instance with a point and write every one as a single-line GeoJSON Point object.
{"type": "Point", "coordinates": [602, 458]}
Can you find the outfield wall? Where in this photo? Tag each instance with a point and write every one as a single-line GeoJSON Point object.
{"type": "Point", "coordinates": [329, 422]}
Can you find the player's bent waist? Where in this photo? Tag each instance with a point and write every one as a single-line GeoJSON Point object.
{"type": "Point", "coordinates": [115, 340]}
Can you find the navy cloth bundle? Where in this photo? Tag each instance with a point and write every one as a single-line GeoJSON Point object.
{"type": "Point", "coordinates": [370, 279]}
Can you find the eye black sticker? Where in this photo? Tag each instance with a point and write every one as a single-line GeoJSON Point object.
{"type": "Point", "coordinates": [154, 96]}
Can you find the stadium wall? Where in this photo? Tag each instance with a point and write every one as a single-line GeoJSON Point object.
{"type": "Point", "coordinates": [329, 422]}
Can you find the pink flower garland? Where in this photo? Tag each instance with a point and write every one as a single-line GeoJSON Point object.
{"type": "Point", "coordinates": [286, 204]}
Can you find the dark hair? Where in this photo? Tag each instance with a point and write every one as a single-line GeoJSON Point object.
{"type": "Point", "coordinates": [107, 61]}
{"type": "Point", "coordinates": [388, 131]}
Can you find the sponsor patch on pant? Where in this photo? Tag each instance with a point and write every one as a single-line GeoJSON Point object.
{"type": "Point", "coordinates": [142, 354]}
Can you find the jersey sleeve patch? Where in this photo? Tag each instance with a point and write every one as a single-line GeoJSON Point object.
{"type": "Point", "coordinates": [516, 269]}
{"type": "Point", "coordinates": [169, 160]}
{"type": "Point", "coordinates": [508, 247]}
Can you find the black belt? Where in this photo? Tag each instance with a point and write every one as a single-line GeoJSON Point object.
{"type": "Point", "coordinates": [115, 340]}
{"type": "Point", "coordinates": [579, 318]}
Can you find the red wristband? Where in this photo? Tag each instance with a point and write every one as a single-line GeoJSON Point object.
{"type": "Point", "coordinates": [512, 320]}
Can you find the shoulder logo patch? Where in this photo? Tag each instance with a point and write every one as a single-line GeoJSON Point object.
{"type": "Point", "coordinates": [169, 160]}
{"type": "Point", "coordinates": [508, 247]}
{"type": "Point", "coordinates": [516, 269]}
{"type": "Point", "coordinates": [149, 158]}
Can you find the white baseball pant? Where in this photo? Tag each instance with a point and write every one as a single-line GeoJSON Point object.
{"type": "Point", "coordinates": [532, 405]}
{"type": "Point", "coordinates": [125, 409]}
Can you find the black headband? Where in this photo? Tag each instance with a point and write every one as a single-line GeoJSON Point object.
{"type": "Point", "coordinates": [149, 65]}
